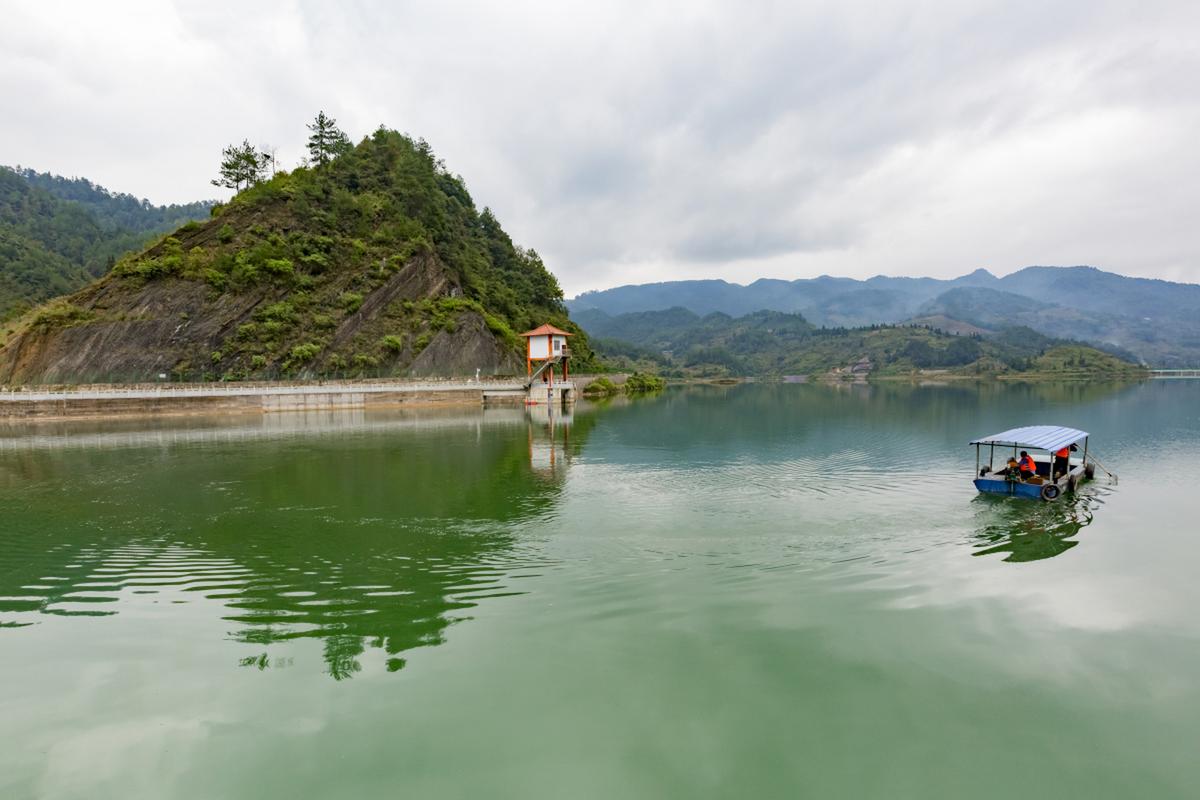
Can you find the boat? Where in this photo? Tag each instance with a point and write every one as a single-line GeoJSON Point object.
{"type": "Point", "coordinates": [1042, 442]}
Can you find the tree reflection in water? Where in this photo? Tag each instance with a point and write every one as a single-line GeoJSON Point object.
{"type": "Point", "coordinates": [360, 534]}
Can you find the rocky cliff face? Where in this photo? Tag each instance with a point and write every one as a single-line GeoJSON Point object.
{"type": "Point", "coordinates": [377, 264]}
{"type": "Point", "coordinates": [107, 333]}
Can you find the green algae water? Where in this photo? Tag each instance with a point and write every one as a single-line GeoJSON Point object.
{"type": "Point", "coordinates": [752, 591]}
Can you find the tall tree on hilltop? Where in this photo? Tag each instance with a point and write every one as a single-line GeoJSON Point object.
{"type": "Point", "coordinates": [242, 165]}
{"type": "Point", "coordinates": [327, 141]}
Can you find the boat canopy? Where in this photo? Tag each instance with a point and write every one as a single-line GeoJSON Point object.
{"type": "Point", "coordinates": [1039, 437]}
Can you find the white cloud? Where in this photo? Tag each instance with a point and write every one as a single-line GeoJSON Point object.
{"type": "Point", "coordinates": [631, 142]}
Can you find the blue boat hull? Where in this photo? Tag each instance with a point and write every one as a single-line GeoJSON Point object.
{"type": "Point", "coordinates": [1032, 491]}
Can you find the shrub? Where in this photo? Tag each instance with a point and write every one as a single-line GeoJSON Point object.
{"type": "Point", "coordinates": [361, 360]}
{"type": "Point", "coordinates": [351, 301]}
{"type": "Point", "coordinates": [279, 267]}
{"type": "Point", "coordinates": [277, 312]}
{"type": "Point", "coordinates": [315, 262]}
{"type": "Point", "coordinates": [196, 261]}
{"type": "Point", "coordinates": [215, 278]}
{"type": "Point", "coordinates": [641, 382]}
{"type": "Point", "coordinates": [245, 267]}
{"type": "Point", "coordinates": [61, 314]}
{"type": "Point", "coordinates": [258, 362]}
{"type": "Point", "coordinates": [500, 328]}
{"type": "Point", "coordinates": [225, 235]}
{"type": "Point", "coordinates": [302, 353]}
{"type": "Point", "coordinates": [392, 343]}
{"type": "Point", "coordinates": [150, 268]}
{"type": "Point", "coordinates": [601, 387]}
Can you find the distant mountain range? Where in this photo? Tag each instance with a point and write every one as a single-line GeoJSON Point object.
{"type": "Point", "coordinates": [1156, 321]}
{"type": "Point", "coordinates": [58, 234]}
{"type": "Point", "coordinates": [774, 343]}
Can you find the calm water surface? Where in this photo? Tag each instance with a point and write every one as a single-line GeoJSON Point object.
{"type": "Point", "coordinates": [774, 591]}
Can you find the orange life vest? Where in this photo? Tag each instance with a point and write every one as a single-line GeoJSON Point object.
{"type": "Point", "coordinates": [1027, 464]}
{"type": "Point", "coordinates": [1064, 453]}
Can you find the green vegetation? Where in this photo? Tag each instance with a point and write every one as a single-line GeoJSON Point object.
{"type": "Point", "coordinates": [57, 234]}
{"type": "Point", "coordinates": [601, 387]}
{"type": "Point", "coordinates": [242, 165]}
{"type": "Point", "coordinates": [1154, 321]}
{"type": "Point", "coordinates": [326, 141]}
{"type": "Point", "coordinates": [113, 211]}
{"type": "Point", "coordinates": [59, 314]}
{"type": "Point", "coordinates": [636, 384]}
{"type": "Point", "coordinates": [352, 265]}
{"type": "Point", "coordinates": [678, 342]}
{"type": "Point", "coordinates": [642, 383]}
{"type": "Point", "coordinates": [1071, 361]}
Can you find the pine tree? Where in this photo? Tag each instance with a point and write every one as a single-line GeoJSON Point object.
{"type": "Point", "coordinates": [241, 165]}
{"type": "Point", "coordinates": [327, 141]}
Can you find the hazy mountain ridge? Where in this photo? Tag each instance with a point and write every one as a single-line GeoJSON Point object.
{"type": "Point", "coordinates": [1158, 321]}
{"type": "Point", "coordinates": [767, 343]}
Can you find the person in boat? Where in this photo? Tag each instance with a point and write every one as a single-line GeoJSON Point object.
{"type": "Point", "coordinates": [1062, 460]}
{"type": "Point", "coordinates": [1026, 466]}
{"type": "Point", "coordinates": [1013, 470]}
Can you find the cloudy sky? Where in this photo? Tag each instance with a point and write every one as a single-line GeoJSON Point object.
{"type": "Point", "coordinates": [635, 142]}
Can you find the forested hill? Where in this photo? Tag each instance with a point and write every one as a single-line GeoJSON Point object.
{"type": "Point", "coordinates": [765, 343]}
{"type": "Point", "coordinates": [117, 210]}
{"type": "Point", "coordinates": [57, 234]}
{"type": "Point", "coordinates": [373, 261]}
{"type": "Point", "coordinates": [1158, 321]}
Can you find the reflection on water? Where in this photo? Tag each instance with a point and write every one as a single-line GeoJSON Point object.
{"type": "Point", "coordinates": [367, 532]}
{"type": "Point", "coordinates": [1031, 530]}
{"type": "Point", "coordinates": [549, 437]}
{"type": "Point", "coordinates": [180, 592]}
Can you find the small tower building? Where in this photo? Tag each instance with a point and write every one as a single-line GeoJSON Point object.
{"type": "Point", "coordinates": [544, 347]}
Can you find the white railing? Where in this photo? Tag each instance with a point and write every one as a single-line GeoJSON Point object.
{"type": "Point", "coordinates": [151, 391]}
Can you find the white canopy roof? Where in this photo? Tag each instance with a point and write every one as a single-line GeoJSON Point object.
{"type": "Point", "coordinates": [1040, 437]}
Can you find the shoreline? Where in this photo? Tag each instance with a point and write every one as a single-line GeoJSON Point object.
{"type": "Point", "coordinates": [102, 401]}
{"type": "Point", "coordinates": [114, 400]}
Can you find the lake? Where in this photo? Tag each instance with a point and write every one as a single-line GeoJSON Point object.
{"type": "Point", "coordinates": [745, 591]}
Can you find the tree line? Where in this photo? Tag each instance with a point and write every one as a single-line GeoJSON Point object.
{"type": "Point", "coordinates": [244, 165]}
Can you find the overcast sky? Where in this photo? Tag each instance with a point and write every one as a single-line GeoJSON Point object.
{"type": "Point", "coordinates": [636, 142]}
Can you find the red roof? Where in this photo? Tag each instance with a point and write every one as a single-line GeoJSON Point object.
{"type": "Point", "coordinates": [546, 330]}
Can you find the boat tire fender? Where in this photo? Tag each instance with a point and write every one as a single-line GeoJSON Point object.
{"type": "Point", "coordinates": [1051, 491]}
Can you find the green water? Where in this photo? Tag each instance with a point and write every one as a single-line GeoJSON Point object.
{"type": "Point", "coordinates": [755, 591]}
